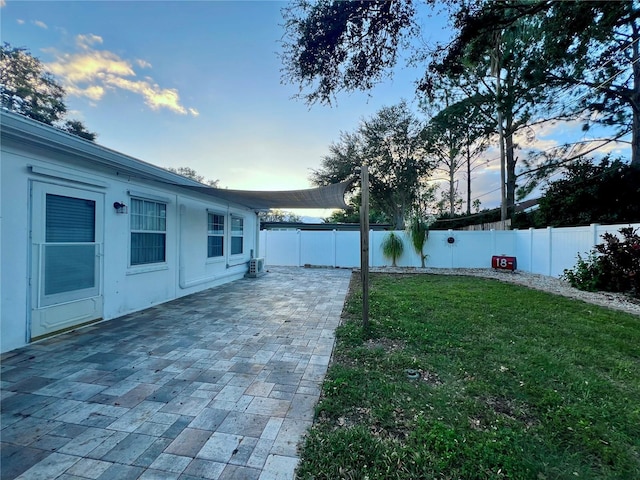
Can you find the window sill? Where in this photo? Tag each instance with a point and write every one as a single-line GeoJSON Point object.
{"type": "Point", "coordinates": [135, 270]}
{"type": "Point", "coordinates": [211, 260]}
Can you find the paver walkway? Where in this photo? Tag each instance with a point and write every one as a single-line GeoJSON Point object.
{"type": "Point", "coordinates": [217, 385]}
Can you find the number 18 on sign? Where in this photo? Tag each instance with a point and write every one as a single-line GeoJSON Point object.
{"type": "Point", "coordinates": [502, 262]}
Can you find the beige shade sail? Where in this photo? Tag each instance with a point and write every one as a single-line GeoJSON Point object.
{"type": "Point", "coordinates": [330, 196]}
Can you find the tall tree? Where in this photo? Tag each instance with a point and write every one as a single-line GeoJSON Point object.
{"type": "Point", "coordinates": [395, 151]}
{"type": "Point", "coordinates": [28, 89]}
{"type": "Point", "coordinates": [457, 134]}
{"type": "Point", "coordinates": [491, 62]}
{"type": "Point", "coordinates": [588, 49]}
{"type": "Point", "coordinates": [591, 49]}
{"type": "Point", "coordinates": [391, 144]}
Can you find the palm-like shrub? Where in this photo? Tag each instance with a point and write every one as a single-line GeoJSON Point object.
{"type": "Point", "coordinates": [418, 232]}
{"type": "Point", "coordinates": [392, 247]}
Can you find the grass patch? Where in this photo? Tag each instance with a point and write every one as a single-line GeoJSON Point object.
{"type": "Point", "coordinates": [513, 383]}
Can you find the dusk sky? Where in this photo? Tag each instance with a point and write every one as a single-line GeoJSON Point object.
{"type": "Point", "coordinates": [198, 84]}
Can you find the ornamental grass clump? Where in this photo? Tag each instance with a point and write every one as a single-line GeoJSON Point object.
{"type": "Point", "coordinates": [418, 232]}
{"type": "Point", "coordinates": [392, 247]}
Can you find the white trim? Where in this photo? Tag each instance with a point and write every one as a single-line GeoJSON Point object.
{"type": "Point", "coordinates": [146, 268]}
{"type": "Point", "coordinates": [148, 196]}
{"type": "Point", "coordinates": [64, 174]}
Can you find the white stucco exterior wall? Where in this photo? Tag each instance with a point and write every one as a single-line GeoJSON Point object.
{"type": "Point", "coordinates": [124, 288]}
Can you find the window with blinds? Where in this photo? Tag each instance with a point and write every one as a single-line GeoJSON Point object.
{"type": "Point", "coordinates": [70, 250]}
{"type": "Point", "coordinates": [148, 231]}
{"type": "Point", "coordinates": [215, 235]}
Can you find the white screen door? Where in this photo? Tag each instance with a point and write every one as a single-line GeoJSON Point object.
{"type": "Point", "coordinates": [66, 258]}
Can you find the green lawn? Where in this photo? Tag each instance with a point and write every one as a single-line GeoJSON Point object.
{"type": "Point", "coordinates": [514, 383]}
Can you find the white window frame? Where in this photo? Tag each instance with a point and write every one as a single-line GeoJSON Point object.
{"type": "Point", "coordinates": [158, 201]}
{"type": "Point", "coordinates": [219, 235]}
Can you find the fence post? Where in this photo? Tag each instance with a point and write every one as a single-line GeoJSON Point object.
{"type": "Point", "coordinates": [335, 250]}
{"type": "Point", "coordinates": [531, 231]}
{"type": "Point", "coordinates": [550, 249]}
{"type": "Point", "coordinates": [494, 250]}
{"type": "Point", "coordinates": [299, 247]}
{"type": "Point", "coordinates": [594, 233]}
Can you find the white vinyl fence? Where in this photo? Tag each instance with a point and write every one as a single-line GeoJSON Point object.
{"type": "Point", "coordinates": [545, 251]}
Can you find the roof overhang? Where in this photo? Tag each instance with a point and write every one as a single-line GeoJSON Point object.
{"type": "Point", "coordinates": [27, 131]}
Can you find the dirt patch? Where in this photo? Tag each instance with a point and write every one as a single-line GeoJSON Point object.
{"type": "Point", "coordinates": [385, 344]}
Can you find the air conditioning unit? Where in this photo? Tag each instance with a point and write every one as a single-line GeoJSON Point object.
{"type": "Point", "coordinates": [256, 268]}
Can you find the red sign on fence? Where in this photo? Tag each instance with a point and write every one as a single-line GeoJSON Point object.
{"type": "Point", "coordinates": [503, 262]}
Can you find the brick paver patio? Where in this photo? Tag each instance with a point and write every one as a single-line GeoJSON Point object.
{"type": "Point", "coordinates": [217, 385]}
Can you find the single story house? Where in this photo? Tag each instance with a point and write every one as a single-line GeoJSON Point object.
{"type": "Point", "coordinates": [90, 234]}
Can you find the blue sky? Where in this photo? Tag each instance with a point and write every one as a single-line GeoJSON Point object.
{"type": "Point", "coordinates": [198, 84]}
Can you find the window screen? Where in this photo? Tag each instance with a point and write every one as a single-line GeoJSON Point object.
{"type": "Point", "coordinates": [237, 235]}
{"type": "Point", "coordinates": [215, 232]}
{"type": "Point", "coordinates": [148, 231]}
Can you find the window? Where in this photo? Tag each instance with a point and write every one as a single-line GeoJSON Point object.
{"type": "Point", "coordinates": [70, 252]}
{"type": "Point", "coordinates": [148, 232]}
{"type": "Point", "coordinates": [215, 232]}
{"type": "Point", "coordinates": [237, 235]}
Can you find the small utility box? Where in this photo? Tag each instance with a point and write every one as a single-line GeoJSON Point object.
{"type": "Point", "coordinates": [503, 262]}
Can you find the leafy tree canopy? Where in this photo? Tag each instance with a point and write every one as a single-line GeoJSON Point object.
{"type": "Point", "coordinates": [28, 89]}
{"type": "Point", "coordinates": [587, 51]}
{"type": "Point", "coordinates": [607, 193]}
{"type": "Point", "coordinates": [193, 175]}
{"type": "Point", "coordinates": [334, 46]}
{"type": "Point", "coordinates": [277, 215]}
{"type": "Point", "coordinates": [570, 60]}
{"type": "Point", "coordinates": [391, 144]}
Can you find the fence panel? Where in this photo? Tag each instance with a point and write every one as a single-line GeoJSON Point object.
{"type": "Point", "coordinates": [524, 245]}
{"type": "Point", "coordinates": [347, 249]}
{"type": "Point", "coordinates": [281, 247]}
{"type": "Point", "coordinates": [566, 243]}
{"type": "Point", "coordinates": [318, 248]}
{"type": "Point", "coordinates": [546, 251]}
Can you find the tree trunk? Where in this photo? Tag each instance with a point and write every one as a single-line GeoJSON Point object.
{"type": "Point", "coordinates": [511, 171]}
{"type": "Point", "coordinates": [398, 219]}
{"type": "Point", "coordinates": [452, 187]}
{"type": "Point", "coordinates": [468, 175]}
{"type": "Point", "coordinates": [635, 139]}
{"type": "Point", "coordinates": [635, 96]}
{"type": "Point", "coordinates": [503, 195]}
{"type": "Point", "coordinates": [496, 68]}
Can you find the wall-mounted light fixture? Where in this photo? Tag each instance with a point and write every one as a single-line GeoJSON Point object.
{"type": "Point", "coordinates": [120, 207]}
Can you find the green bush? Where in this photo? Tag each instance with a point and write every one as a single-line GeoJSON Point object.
{"type": "Point", "coordinates": [620, 262]}
{"type": "Point", "coordinates": [586, 274]}
{"type": "Point", "coordinates": [613, 266]}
